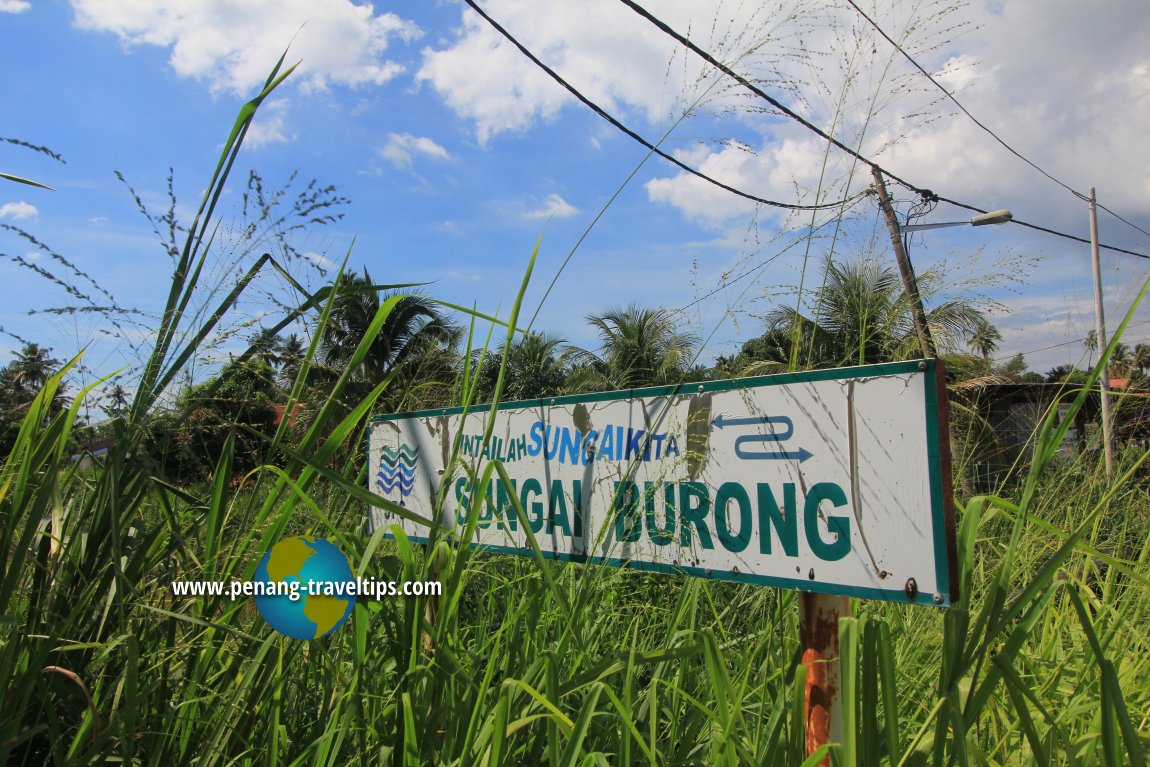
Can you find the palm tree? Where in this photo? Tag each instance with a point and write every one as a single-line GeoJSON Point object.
{"type": "Point", "coordinates": [265, 346]}
{"type": "Point", "coordinates": [20, 381]}
{"type": "Point", "coordinates": [1091, 343]}
{"type": "Point", "coordinates": [766, 354]}
{"type": "Point", "coordinates": [118, 398]}
{"type": "Point", "coordinates": [291, 354]}
{"type": "Point", "coordinates": [537, 366]}
{"type": "Point", "coordinates": [32, 367]}
{"type": "Point", "coordinates": [638, 347]}
{"type": "Point", "coordinates": [1142, 356]}
{"type": "Point", "coordinates": [1121, 361]}
{"type": "Point", "coordinates": [1065, 373]}
{"type": "Point", "coordinates": [984, 342]}
{"type": "Point", "coordinates": [863, 316]}
{"type": "Point", "coordinates": [413, 331]}
{"type": "Point", "coordinates": [282, 355]}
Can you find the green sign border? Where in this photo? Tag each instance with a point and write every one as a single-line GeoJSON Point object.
{"type": "Point", "coordinates": [938, 464]}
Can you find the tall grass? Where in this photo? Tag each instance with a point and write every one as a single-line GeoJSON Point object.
{"type": "Point", "coordinates": [1045, 659]}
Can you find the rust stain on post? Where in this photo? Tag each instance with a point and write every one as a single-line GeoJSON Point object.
{"type": "Point", "coordinates": [819, 634]}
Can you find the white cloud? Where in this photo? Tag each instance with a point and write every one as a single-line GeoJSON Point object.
{"type": "Point", "coordinates": [786, 170]}
{"type": "Point", "coordinates": [1068, 90]}
{"type": "Point", "coordinates": [599, 46]}
{"type": "Point", "coordinates": [270, 125]}
{"type": "Point", "coordinates": [14, 6]}
{"type": "Point", "coordinates": [401, 146]}
{"type": "Point", "coordinates": [553, 207]}
{"type": "Point", "coordinates": [319, 260]}
{"type": "Point", "coordinates": [18, 211]}
{"type": "Point", "coordinates": [98, 221]}
{"type": "Point", "coordinates": [1081, 115]}
{"type": "Point", "coordinates": [701, 201]}
{"type": "Point", "coordinates": [504, 92]}
{"type": "Point", "coordinates": [231, 44]}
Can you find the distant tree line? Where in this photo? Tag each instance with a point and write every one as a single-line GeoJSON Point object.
{"type": "Point", "coordinates": [861, 317]}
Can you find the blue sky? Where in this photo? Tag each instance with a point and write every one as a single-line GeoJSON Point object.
{"type": "Point", "coordinates": [457, 154]}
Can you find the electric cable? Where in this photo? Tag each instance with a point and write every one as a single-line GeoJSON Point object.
{"type": "Point", "coordinates": [964, 110]}
{"type": "Point", "coordinates": [1039, 228]}
{"type": "Point", "coordinates": [666, 29]}
{"type": "Point", "coordinates": [1061, 344]}
{"type": "Point", "coordinates": [979, 123]}
{"type": "Point", "coordinates": [620, 126]}
{"type": "Point", "coordinates": [1100, 206]}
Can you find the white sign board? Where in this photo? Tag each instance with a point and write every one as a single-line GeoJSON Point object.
{"type": "Point", "coordinates": [833, 481]}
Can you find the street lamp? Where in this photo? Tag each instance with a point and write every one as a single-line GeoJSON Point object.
{"type": "Point", "coordinates": [993, 217]}
{"type": "Point", "coordinates": [909, 283]}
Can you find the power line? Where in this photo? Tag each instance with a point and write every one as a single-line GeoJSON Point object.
{"type": "Point", "coordinates": [754, 89]}
{"type": "Point", "coordinates": [662, 26]}
{"type": "Point", "coordinates": [1039, 228]}
{"type": "Point", "coordinates": [619, 125]}
{"type": "Point", "coordinates": [1040, 349]}
{"type": "Point", "coordinates": [980, 124]}
{"type": "Point", "coordinates": [1061, 344]}
{"type": "Point", "coordinates": [1128, 223]}
{"type": "Point", "coordinates": [950, 96]}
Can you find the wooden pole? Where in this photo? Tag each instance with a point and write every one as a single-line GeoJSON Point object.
{"type": "Point", "coordinates": [1100, 330]}
{"type": "Point", "coordinates": [906, 271]}
{"type": "Point", "coordinates": [819, 636]}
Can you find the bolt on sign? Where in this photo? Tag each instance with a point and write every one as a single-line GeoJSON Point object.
{"type": "Point", "coordinates": [832, 481]}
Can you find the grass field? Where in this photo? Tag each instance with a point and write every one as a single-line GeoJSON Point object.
{"type": "Point", "coordinates": [1045, 660]}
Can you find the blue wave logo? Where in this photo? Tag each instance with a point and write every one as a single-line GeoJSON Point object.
{"type": "Point", "coordinates": [397, 469]}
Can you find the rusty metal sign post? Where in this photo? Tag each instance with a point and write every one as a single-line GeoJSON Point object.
{"type": "Point", "coordinates": [831, 482]}
{"type": "Point", "coordinates": [822, 696]}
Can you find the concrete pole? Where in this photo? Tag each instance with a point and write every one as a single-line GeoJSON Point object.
{"type": "Point", "coordinates": [909, 283]}
{"type": "Point", "coordinates": [1100, 329]}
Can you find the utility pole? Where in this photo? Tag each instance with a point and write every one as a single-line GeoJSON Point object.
{"type": "Point", "coordinates": [909, 283]}
{"type": "Point", "coordinates": [819, 614]}
{"type": "Point", "coordinates": [1100, 329]}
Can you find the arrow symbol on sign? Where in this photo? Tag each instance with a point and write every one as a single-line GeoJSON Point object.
{"type": "Point", "coordinates": [721, 421]}
{"type": "Point", "coordinates": [786, 429]}
{"type": "Point", "coordinates": [801, 454]}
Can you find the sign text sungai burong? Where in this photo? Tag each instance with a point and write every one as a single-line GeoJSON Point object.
{"type": "Point", "coordinates": [827, 481]}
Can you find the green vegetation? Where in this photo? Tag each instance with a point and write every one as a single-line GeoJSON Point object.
{"type": "Point", "coordinates": [20, 380]}
{"type": "Point", "coordinates": [414, 345]}
{"type": "Point", "coordinates": [1045, 659]}
{"type": "Point", "coordinates": [862, 317]}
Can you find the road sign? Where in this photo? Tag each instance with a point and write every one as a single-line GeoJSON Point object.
{"type": "Point", "coordinates": [831, 481]}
